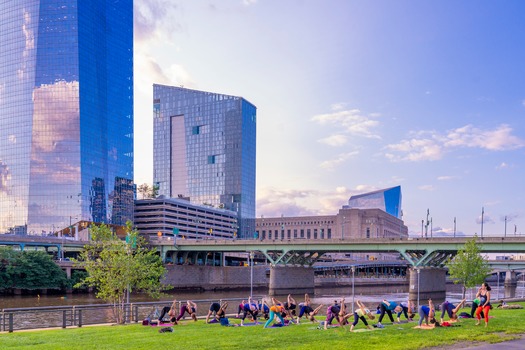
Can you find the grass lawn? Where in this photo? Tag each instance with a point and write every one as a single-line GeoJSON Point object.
{"type": "Point", "coordinates": [505, 325]}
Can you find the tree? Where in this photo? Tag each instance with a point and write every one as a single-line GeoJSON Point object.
{"type": "Point", "coordinates": [116, 267]}
{"type": "Point", "coordinates": [148, 191]}
{"type": "Point", "coordinates": [468, 267]}
{"type": "Point", "coordinates": [144, 189]}
{"type": "Point", "coordinates": [29, 270]}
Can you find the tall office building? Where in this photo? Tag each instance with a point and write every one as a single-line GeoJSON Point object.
{"type": "Point", "coordinates": [66, 113]}
{"type": "Point", "coordinates": [204, 149]}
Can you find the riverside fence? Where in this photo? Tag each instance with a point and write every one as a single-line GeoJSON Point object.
{"type": "Point", "coordinates": [15, 319]}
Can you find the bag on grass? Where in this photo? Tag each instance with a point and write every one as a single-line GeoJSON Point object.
{"type": "Point", "coordinates": [146, 321]}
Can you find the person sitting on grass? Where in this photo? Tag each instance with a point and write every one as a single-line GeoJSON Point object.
{"type": "Point", "coordinates": [276, 309]}
{"type": "Point", "coordinates": [451, 310]}
{"type": "Point", "coordinates": [360, 314]}
{"type": "Point", "coordinates": [426, 313]}
{"type": "Point", "coordinates": [171, 311]}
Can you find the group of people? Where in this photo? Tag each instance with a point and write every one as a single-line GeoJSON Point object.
{"type": "Point", "coordinates": [286, 312]}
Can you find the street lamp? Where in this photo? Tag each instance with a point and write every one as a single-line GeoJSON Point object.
{"type": "Point", "coordinates": [251, 273]}
{"type": "Point", "coordinates": [418, 271]}
{"type": "Point", "coordinates": [353, 282]}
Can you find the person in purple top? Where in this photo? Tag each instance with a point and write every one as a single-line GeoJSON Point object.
{"type": "Point", "coordinates": [451, 310]}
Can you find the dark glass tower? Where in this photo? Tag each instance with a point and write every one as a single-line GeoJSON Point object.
{"type": "Point", "coordinates": [66, 113]}
{"type": "Point", "coordinates": [204, 149]}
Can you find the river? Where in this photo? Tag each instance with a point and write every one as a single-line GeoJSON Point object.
{"type": "Point", "coordinates": [321, 296]}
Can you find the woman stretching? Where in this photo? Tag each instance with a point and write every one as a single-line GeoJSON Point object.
{"type": "Point", "coordinates": [451, 310]}
{"type": "Point", "coordinates": [276, 309]}
{"type": "Point", "coordinates": [191, 308]}
{"type": "Point", "coordinates": [426, 313]}
{"type": "Point", "coordinates": [484, 303]}
{"type": "Point", "coordinates": [360, 314]}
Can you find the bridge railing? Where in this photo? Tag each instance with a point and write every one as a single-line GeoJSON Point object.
{"type": "Point", "coordinates": [12, 319]}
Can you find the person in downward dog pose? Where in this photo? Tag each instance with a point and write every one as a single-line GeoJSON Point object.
{"type": "Point", "coordinates": [191, 308]}
{"type": "Point", "coordinates": [275, 310]}
{"type": "Point", "coordinates": [451, 310]}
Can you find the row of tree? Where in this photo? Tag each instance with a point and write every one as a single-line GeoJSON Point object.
{"type": "Point", "coordinates": [33, 270]}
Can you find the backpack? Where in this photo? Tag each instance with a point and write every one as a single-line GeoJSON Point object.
{"type": "Point", "coordinates": [146, 321]}
{"type": "Point", "coordinates": [224, 321]}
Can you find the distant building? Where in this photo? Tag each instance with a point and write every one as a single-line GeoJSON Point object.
{"type": "Point", "coordinates": [204, 150]}
{"type": "Point", "coordinates": [169, 217]}
{"type": "Point", "coordinates": [66, 114]}
{"type": "Point", "coordinates": [346, 224]}
{"type": "Point", "coordinates": [388, 200]}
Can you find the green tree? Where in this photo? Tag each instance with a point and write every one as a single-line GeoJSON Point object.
{"type": "Point", "coordinates": [8, 257]}
{"type": "Point", "coordinates": [468, 267]}
{"type": "Point", "coordinates": [29, 270]}
{"type": "Point", "coordinates": [116, 267]}
{"type": "Point", "coordinates": [144, 190]}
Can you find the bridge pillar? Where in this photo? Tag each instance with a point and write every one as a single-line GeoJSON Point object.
{"type": "Point", "coordinates": [511, 282]}
{"type": "Point", "coordinates": [286, 280]}
{"type": "Point", "coordinates": [427, 282]}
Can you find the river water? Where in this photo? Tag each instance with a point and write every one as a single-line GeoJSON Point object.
{"type": "Point", "coordinates": [321, 296]}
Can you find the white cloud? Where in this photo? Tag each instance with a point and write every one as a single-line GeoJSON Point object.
{"type": "Point", "coordinates": [249, 2]}
{"type": "Point", "coordinates": [155, 19]}
{"type": "Point", "coordinates": [446, 178]}
{"type": "Point", "coordinates": [415, 150]}
{"type": "Point", "coordinates": [351, 121]}
{"type": "Point", "coordinates": [432, 146]}
{"type": "Point", "coordinates": [523, 103]}
{"type": "Point", "coordinates": [341, 158]}
{"type": "Point", "coordinates": [503, 165]}
{"type": "Point", "coordinates": [151, 72]}
{"type": "Point", "coordinates": [334, 140]}
{"type": "Point", "coordinates": [272, 202]}
{"type": "Point", "coordinates": [426, 188]}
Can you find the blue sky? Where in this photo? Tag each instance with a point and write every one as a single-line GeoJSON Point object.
{"type": "Point", "coordinates": [354, 96]}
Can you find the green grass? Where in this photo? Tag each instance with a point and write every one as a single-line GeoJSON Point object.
{"type": "Point", "coordinates": [506, 325]}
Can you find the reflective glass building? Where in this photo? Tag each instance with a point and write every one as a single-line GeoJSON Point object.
{"type": "Point", "coordinates": [66, 113]}
{"type": "Point", "coordinates": [204, 149]}
{"type": "Point", "coordinates": [388, 200]}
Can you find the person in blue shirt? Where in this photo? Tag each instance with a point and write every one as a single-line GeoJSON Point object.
{"type": "Point", "coordinates": [387, 307]}
{"type": "Point", "coordinates": [426, 313]}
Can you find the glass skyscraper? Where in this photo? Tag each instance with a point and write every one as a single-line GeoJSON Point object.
{"type": "Point", "coordinates": [388, 200]}
{"type": "Point", "coordinates": [204, 149]}
{"type": "Point", "coordinates": [66, 113]}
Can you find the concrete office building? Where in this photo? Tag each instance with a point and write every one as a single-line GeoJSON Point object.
{"type": "Point", "coordinates": [174, 217]}
{"type": "Point", "coordinates": [66, 114]}
{"type": "Point", "coordinates": [204, 150]}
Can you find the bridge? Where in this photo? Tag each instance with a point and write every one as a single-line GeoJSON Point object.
{"type": "Point", "coordinates": [290, 259]}
{"type": "Point", "coordinates": [418, 252]}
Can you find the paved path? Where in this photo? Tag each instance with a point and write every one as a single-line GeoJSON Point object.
{"type": "Point", "coordinates": [517, 344]}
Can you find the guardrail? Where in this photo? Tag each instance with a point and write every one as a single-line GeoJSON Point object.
{"type": "Point", "coordinates": [13, 319]}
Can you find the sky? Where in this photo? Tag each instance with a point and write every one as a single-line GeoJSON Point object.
{"type": "Point", "coordinates": [355, 96]}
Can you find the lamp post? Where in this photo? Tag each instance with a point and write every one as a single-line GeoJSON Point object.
{"type": "Point", "coordinates": [505, 234]}
{"type": "Point", "coordinates": [418, 271]}
{"type": "Point", "coordinates": [497, 295]}
{"type": "Point", "coordinates": [251, 273]}
{"type": "Point", "coordinates": [353, 281]}
{"type": "Point", "coordinates": [454, 227]}
{"type": "Point", "coordinates": [482, 213]}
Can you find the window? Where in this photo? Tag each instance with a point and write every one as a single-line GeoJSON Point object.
{"type": "Point", "coordinates": [211, 159]}
{"type": "Point", "coordinates": [196, 130]}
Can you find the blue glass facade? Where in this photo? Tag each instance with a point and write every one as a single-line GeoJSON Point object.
{"type": "Point", "coordinates": [204, 149]}
{"type": "Point", "coordinates": [66, 113]}
{"type": "Point", "coordinates": [388, 200]}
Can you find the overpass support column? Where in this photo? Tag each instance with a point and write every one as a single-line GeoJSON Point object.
{"type": "Point", "coordinates": [510, 284]}
{"type": "Point", "coordinates": [427, 282]}
{"type": "Point", "coordinates": [286, 280]}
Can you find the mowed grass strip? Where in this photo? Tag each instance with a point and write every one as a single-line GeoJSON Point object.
{"type": "Point", "coordinates": [505, 325]}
